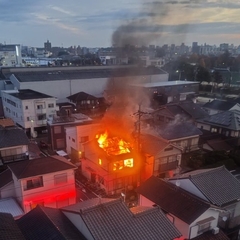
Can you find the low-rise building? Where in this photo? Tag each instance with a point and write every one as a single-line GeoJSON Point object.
{"type": "Point", "coordinates": [191, 215]}
{"type": "Point", "coordinates": [48, 181]}
{"type": "Point", "coordinates": [29, 109]}
{"type": "Point", "coordinates": [13, 145]}
{"type": "Point", "coordinates": [218, 187]}
{"type": "Point", "coordinates": [10, 55]}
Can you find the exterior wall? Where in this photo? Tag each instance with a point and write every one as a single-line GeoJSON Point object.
{"type": "Point", "coordinates": [167, 160]}
{"type": "Point", "coordinates": [180, 225]}
{"type": "Point", "coordinates": [25, 112]}
{"type": "Point", "coordinates": [187, 144]}
{"type": "Point", "coordinates": [8, 191]}
{"type": "Point", "coordinates": [49, 194]}
{"type": "Point", "coordinates": [194, 227]}
{"type": "Point", "coordinates": [188, 186]}
{"type": "Point", "coordinates": [145, 201]}
{"type": "Point", "coordinates": [61, 89]}
{"type": "Point", "coordinates": [79, 224]}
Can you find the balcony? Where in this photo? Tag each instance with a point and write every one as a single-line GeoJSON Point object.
{"type": "Point", "coordinates": [41, 122]}
{"type": "Point", "coordinates": [168, 166]}
{"type": "Point", "coordinates": [42, 110]}
{"type": "Point", "coordinates": [14, 158]}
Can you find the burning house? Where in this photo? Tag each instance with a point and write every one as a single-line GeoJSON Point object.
{"type": "Point", "coordinates": [112, 163]}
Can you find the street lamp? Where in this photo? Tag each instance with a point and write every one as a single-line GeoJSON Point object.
{"type": "Point", "coordinates": [179, 74]}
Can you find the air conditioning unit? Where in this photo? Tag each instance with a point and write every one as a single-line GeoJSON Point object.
{"type": "Point", "coordinates": [215, 230]}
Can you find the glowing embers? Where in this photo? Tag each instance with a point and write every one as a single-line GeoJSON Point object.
{"type": "Point", "coordinates": [113, 145]}
{"type": "Point", "coordinates": [119, 165]}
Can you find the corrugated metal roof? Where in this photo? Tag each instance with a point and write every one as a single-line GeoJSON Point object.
{"type": "Point", "coordinates": [10, 205]}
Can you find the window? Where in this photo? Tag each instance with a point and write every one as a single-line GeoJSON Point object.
{"type": "Point", "coordinates": [60, 143]}
{"type": "Point", "coordinates": [205, 224]}
{"type": "Point", "coordinates": [73, 139]}
{"type": "Point", "coordinates": [26, 107]}
{"type": "Point", "coordinates": [35, 182]}
{"type": "Point", "coordinates": [214, 129]}
{"type": "Point", "coordinates": [39, 106]}
{"type": "Point", "coordinates": [51, 105]}
{"type": "Point", "coordinates": [204, 227]}
{"type": "Point", "coordinates": [28, 118]}
{"type": "Point", "coordinates": [60, 178]}
{"type": "Point", "coordinates": [101, 180]}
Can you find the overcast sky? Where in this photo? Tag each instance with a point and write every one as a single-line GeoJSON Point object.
{"type": "Point", "coordinates": [94, 23]}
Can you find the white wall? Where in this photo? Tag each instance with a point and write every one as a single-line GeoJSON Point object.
{"type": "Point", "coordinates": [188, 186]}
{"type": "Point", "coordinates": [8, 191]}
{"type": "Point", "coordinates": [204, 126]}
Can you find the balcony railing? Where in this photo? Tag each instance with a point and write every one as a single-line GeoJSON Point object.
{"type": "Point", "coordinates": [14, 158]}
{"type": "Point", "coordinates": [168, 166]}
{"type": "Point", "coordinates": [42, 110]}
{"type": "Point", "coordinates": [41, 122]}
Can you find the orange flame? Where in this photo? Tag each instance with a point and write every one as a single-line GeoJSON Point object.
{"type": "Point", "coordinates": [114, 145]}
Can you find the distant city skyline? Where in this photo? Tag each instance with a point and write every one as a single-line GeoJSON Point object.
{"type": "Point", "coordinates": [141, 22]}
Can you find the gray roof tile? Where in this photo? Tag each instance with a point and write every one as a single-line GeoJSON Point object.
{"type": "Point", "coordinates": [9, 228]}
{"type": "Point", "coordinates": [39, 166]}
{"type": "Point", "coordinates": [218, 185]}
{"type": "Point", "coordinates": [48, 224]}
{"type": "Point", "coordinates": [12, 136]}
{"type": "Point", "coordinates": [173, 199]}
{"type": "Point", "coordinates": [114, 220]}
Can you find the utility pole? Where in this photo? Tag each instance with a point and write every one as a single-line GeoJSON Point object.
{"type": "Point", "coordinates": [139, 113]}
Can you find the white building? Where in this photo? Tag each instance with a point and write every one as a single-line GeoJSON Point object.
{"type": "Point", "coordinates": [10, 55]}
{"type": "Point", "coordinates": [28, 109]}
{"type": "Point", "coordinates": [34, 183]}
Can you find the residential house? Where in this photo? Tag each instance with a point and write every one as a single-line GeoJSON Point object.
{"type": "Point", "coordinates": [47, 181]}
{"type": "Point", "coordinates": [29, 109]}
{"type": "Point", "coordinates": [218, 106]}
{"type": "Point", "coordinates": [190, 215]}
{"type": "Point", "coordinates": [112, 219]}
{"type": "Point", "coordinates": [13, 145]}
{"type": "Point", "coordinates": [113, 167]}
{"type": "Point", "coordinates": [88, 104]}
{"type": "Point", "coordinates": [185, 135]}
{"type": "Point", "coordinates": [221, 189]}
{"type": "Point", "coordinates": [160, 156]}
{"type": "Point", "coordinates": [9, 228]}
{"type": "Point", "coordinates": [225, 123]}
{"type": "Point", "coordinates": [47, 223]}
{"type": "Point", "coordinates": [57, 129]}
{"type": "Point", "coordinates": [77, 136]}
{"type": "Point", "coordinates": [182, 111]}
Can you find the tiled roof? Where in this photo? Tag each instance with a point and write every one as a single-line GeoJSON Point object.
{"type": "Point", "coordinates": [5, 177]}
{"type": "Point", "coordinates": [39, 166]}
{"type": "Point", "coordinates": [6, 122]}
{"type": "Point", "coordinates": [219, 145]}
{"type": "Point", "coordinates": [114, 220]}
{"type": "Point", "coordinates": [12, 136]}
{"type": "Point", "coordinates": [218, 185]}
{"type": "Point", "coordinates": [177, 130]}
{"type": "Point", "coordinates": [152, 144]}
{"type": "Point", "coordinates": [173, 199]}
{"type": "Point", "coordinates": [10, 205]}
{"type": "Point", "coordinates": [9, 230]}
{"type": "Point", "coordinates": [210, 236]}
{"type": "Point", "coordinates": [48, 223]}
{"type": "Point", "coordinates": [81, 96]}
{"type": "Point", "coordinates": [193, 109]}
{"type": "Point", "coordinates": [227, 119]}
{"type": "Point", "coordinates": [219, 105]}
